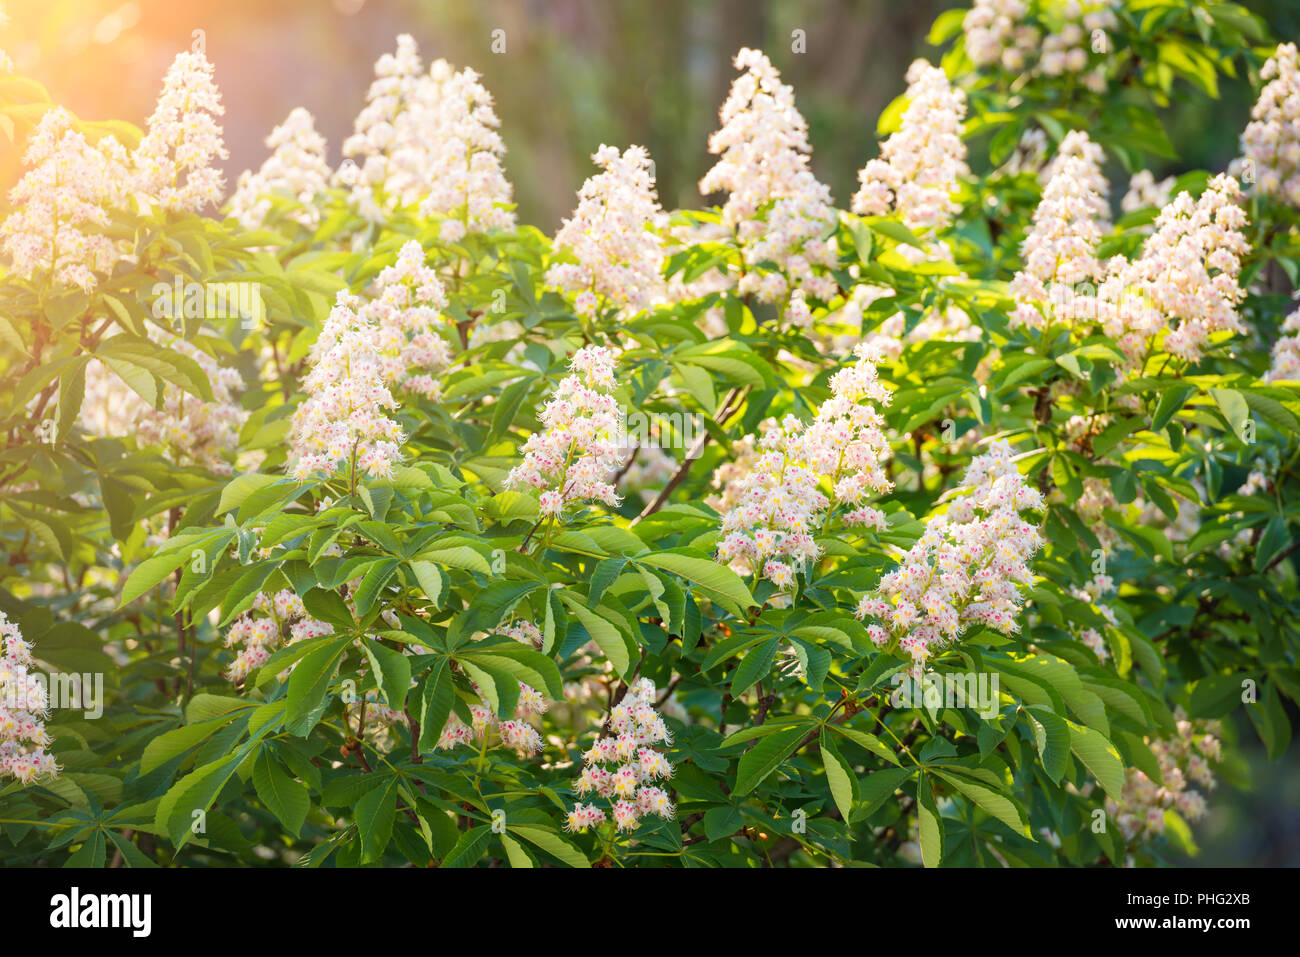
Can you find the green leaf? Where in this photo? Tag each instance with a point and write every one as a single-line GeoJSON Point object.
{"type": "Point", "coordinates": [459, 556]}
{"type": "Point", "coordinates": [372, 584]}
{"type": "Point", "coordinates": [765, 757]}
{"type": "Point", "coordinates": [999, 805]}
{"type": "Point", "coordinates": [877, 788]}
{"type": "Point", "coordinates": [469, 848]}
{"type": "Point", "coordinates": [284, 797]}
{"type": "Point", "coordinates": [839, 776]}
{"type": "Point", "coordinates": [1234, 407]}
{"type": "Point", "coordinates": [1099, 756]}
{"type": "Point", "coordinates": [716, 580]}
{"type": "Point", "coordinates": [374, 815]}
{"type": "Point", "coordinates": [929, 824]}
{"type": "Point", "coordinates": [181, 809]}
{"type": "Point", "coordinates": [435, 704]}
{"type": "Point", "coordinates": [552, 844]}
{"type": "Point", "coordinates": [755, 666]}
{"type": "Point", "coordinates": [241, 487]}
{"type": "Point", "coordinates": [1052, 738]}
{"type": "Point", "coordinates": [868, 741]}
{"type": "Point", "coordinates": [430, 579]}
{"type": "Point", "coordinates": [150, 572]}
{"type": "Point", "coordinates": [308, 685]}
{"type": "Point", "coordinates": [608, 638]}
{"type": "Point", "coordinates": [177, 741]}
{"type": "Point", "coordinates": [392, 672]}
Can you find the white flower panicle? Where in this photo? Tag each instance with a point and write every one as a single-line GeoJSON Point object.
{"type": "Point", "coordinates": [1187, 274]}
{"type": "Point", "coordinates": [777, 208]}
{"type": "Point", "coordinates": [174, 159]}
{"type": "Point", "coordinates": [428, 138]}
{"type": "Point", "coordinates": [273, 622]}
{"type": "Point", "coordinates": [344, 420]}
{"type": "Point", "coordinates": [467, 182]}
{"type": "Point", "coordinates": [995, 33]}
{"type": "Point", "coordinates": [364, 348]}
{"type": "Point", "coordinates": [999, 32]}
{"type": "Point", "coordinates": [967, 569]}
{"type": "Point", "coordinates": [407, 314]}
{"type": "Point", "coordinates": [778, 507]}
{"type": "Point", "coordinates": [1271, 141]}
{"type": "Point", "coordinates": [62, 203]}
{"type": "Point", "coordinates": [1060, 251]}
{"type": "Point", "coordinates": [619, 255]}
{"type": "Point", "coordinates": [386, 156]}
{"type": "Point", "coordinates": [919, 166]}
{"type": "Point", "coordinates": [23, 706]}
{"type": "Point", "coordinates": [296, 169]}
{"type": "Point", "coordinates": [623, 766]}
{"type": "Point", "coordinates": [1286, 351]}
{"type": "Point", "coordinates": [573, 459]}
{"type": "Point", "coordinates": [1184, 760]}
{"type": "Point", "coordinates": [189, 430]}
{"type": "Point", "coordinates": [1091, 593]}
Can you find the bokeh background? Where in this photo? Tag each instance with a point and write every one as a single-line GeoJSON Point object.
{"type": "Point", "coordinates": [575, 74]}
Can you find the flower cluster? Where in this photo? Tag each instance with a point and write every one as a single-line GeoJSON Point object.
{"type": "Point", "coordinates": [428, 138]}
{"type": "Point", "coordinates": [1286, 351]}
{"type": "Point", "coordinates": [1092, 593]}
{"type": "Point", "coordinates": [189, 430]}
{"type": "Point", "coordinates": [1146, 192]}
{"type": "Point", "coordinates": [574, 457]}
{"type": "Point", "coordinates": [619, 255]}
{"type": "Point", "coordinates": [1270, 144]}
{"type": "Point", "coordinates": [407, 314]}
{"type": "Point", "coordinates": [61, 205]}
{"type": "Point", "coordinates": [778, 506]}
{"type": "Point", "coordinates": [919, 166]}
{"type": "Point", "coordinates": [386, 154]}
{"type": "Point", "coordinates": [777, 208]}
{"type": "Point", "coordinates": [999, 32]}
{"type": "Point", "coordinates": [174, 159]}
{"type": "Point", "coordinates": [273, 621]}
{"type": "Point", "coordinates": [296, 168]}
{"type": "Point", "coordinates": [364, 348]}
{"type": "Point", "coordinates": [1059, 252]}
{"type": "Point", "coordinates": [344, 419]}
{"type": "Point", "coordinates": [967, 568]}
{"type": "Point", "coordinates": [1184, 759]}
{"type": "Point", "coordinates": [622, 766]}
{"type": "Point", "coordinates": [23, 703]}
{"type": "Point", "coordinates": [467, 183]}
{"type": "Point", "coordinates": [1187, 272]}
{"type": "Point", "coordinates": [516, 733]}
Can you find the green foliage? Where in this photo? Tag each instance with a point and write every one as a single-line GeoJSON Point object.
{"type": "Point", "coordinates": [789, 743]}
